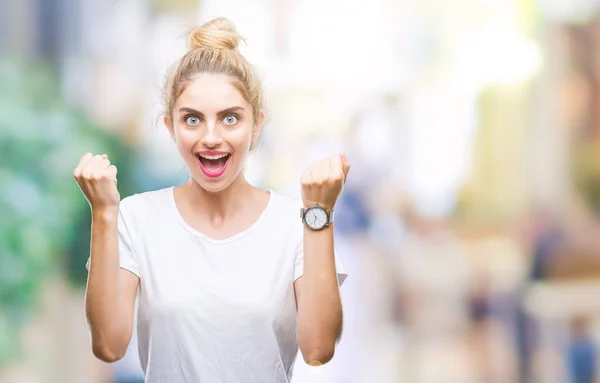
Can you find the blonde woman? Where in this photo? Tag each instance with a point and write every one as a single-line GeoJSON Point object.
{"type": "Point", "coordinates": [231, 280]}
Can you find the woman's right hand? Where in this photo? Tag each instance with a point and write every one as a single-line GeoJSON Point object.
{"type": "Point", "coordinates": [97, 179]}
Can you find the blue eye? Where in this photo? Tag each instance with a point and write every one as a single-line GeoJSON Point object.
{"type": "Point", "coordinates": [192, 120]}
{"type": "Point", "coordinates": [230, 120]}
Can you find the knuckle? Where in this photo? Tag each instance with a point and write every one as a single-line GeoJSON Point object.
{"type": "Point", "coordinates": [108, 174]}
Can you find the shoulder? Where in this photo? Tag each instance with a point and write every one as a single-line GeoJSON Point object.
{"type": "Point", "coordinates": [286, 203]}
{"type": "Point", "coordinates": [285, 214]}
{"type": "Point", "coordinates": [145, 202]}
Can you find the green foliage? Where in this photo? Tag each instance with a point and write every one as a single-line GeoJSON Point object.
{"type": "Point", "coordinates": [44, 218]}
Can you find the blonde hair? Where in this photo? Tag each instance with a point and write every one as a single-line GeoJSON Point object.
{"type": "Point", "coordinates": [213, 48]}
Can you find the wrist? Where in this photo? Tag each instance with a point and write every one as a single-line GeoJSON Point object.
{"type": "Point", "coordinates": [307, 204]}
{"type": "Point", "coordinates": [325, 231]}
{"type": "Point", "coordinates": [105, 214]}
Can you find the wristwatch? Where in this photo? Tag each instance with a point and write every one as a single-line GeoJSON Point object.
{"type": "Point", "coordinates": [316, 217]}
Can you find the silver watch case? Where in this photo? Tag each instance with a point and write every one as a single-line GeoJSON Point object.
{"type": "Point", "coordinates": [329, 214]}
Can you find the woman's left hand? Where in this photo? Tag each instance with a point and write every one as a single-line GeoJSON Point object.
{"type": "Point", "coordinates": [323, 181]}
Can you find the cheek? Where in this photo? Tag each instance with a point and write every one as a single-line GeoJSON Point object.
{"type": "Point", "coordinates": [184, 138]}
{"type": "Point", "coordinates": [241, 139]}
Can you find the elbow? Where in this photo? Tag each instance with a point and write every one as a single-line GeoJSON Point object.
{"type": "Point", "coordinates": [108, 344]}
{"type": "Point", "coordinates": [107, 354]}
{"type": "Point", "coordinates": [317, 346]}
{"type": "Point", "coordinates": [317, 353]}
{"type": "Point", "coordinates": [317, 335]}
{"type": "Point", "coordinates": [318, 356]}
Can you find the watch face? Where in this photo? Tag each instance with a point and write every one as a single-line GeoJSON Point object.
{"type": "Point", "coordinates": [316, 217]}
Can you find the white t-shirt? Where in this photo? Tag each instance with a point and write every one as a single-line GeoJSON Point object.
{"type": "Point", "coordinates": [214, 310]}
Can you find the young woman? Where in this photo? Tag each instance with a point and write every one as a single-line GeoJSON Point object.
{"type": "Point", "coordinates": [230, 280]}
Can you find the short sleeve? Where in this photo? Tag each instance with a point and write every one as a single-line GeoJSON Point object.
{"type": "Point", "coordinates": [299, 263]}
{"type": "Point", "coordinates": [128, 259]}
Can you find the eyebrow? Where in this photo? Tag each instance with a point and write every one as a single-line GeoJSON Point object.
{"type": "Point", "coordinates": [221, 113]}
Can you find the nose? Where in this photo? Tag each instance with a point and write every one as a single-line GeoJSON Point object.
{"type": "Point", "coordinates": [212, 138]}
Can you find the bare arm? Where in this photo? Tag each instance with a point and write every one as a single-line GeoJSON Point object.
{"type": "Point", "coordinates": [110, 294]}
{"type": "Point", "coordinates": [111, 291]}
{"type": "Point", "coordinates": [317, 291]}
{"type": "Point", "coordinates": [318, 298]}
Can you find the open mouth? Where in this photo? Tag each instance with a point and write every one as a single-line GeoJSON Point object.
{"type": "Point", "coordinates": [213, 165]}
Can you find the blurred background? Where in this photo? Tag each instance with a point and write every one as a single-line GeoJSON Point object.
{"type": "Point", "coordinates": [470, 223]}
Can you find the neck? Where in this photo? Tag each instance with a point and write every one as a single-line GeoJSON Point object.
{"type": "Point", "coordinates": [217, 205]}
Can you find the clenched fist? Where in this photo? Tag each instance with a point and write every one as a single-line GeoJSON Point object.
{"type": "Point", "coordinates": [322, 182]}
{"type": "Point", "coordinates": [97, 179]}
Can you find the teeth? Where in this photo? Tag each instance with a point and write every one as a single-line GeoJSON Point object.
{"type": "Point", "coordinates": [216, 157]}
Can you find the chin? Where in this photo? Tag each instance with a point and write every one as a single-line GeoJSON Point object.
{"type": "Point", "coordinates": [215, 185]}
{"type": "Point", "coordinates": [212, 186]}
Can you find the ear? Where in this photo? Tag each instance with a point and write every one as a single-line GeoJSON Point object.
{"type": "Point", "coordinates": [256, 129]}
{"type": "Point", "coordinates": [169, 125]}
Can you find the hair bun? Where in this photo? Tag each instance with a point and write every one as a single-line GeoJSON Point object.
{"type": "Point", "coordinates": [219, 33]}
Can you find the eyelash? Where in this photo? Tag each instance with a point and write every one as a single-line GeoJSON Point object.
{"type": "Point", "coordinates": [185, 118]}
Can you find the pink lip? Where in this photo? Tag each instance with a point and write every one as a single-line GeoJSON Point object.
{"type": "Point", "coordinates": [207, 172]}
{"type": "Point", "coordinates": [211, 153]}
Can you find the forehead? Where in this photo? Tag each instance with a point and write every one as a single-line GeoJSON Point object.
{"type": "Point", "coordinates": [210, 93]}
